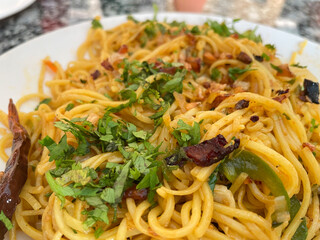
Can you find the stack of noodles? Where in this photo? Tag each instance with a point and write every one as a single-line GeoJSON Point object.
{"type": "Point", "coordinates": [232, 85]}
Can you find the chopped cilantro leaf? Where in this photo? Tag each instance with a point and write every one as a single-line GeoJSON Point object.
{"type": "Point", "coordinates": [194, 75]}
{"type": "Point", "coordinates": [220, 28]}
{"type": "Point", "coordinates": [298, 65]}
{"type": "Point", "coordinates": [214, 176]}
{"type": "Point", "coordinates": [265, 57]}
{"type": "Point", "coordinates": [108, 96]}
{"type": "Point", "coordinates": [181, 26]}
{"type": "Point", "coordinates": [108, 195]}
{"type": "Point", "coordinates": [270, 46]}
{"type": "Point", "coordinates": [140, 134]}
{"type": "Point", "coordinates": [131, 18]}
{"type": "Point", "coordinates": [98, 232]}
{"type": "Point", "coordinates": [80, 176]}
{"type": "Point", "coordinates": [155, 11]}
{"type": "Point", "coordinates": [120, 182]}
{"type": "Point", "coordinates": [223, 30]}
{"type": "Point", "coordinates": [235, 72]}
{"type": "Point", "coordinates": [161, 28]}
{"type": "Point", "coordinates": [95, 24]}
{"type": "Point", "coordinates": [251, 35]}
{"type": "Point", "coordinates": [58, 152]}
{"type": "Point", "coordinates": [191, 86]}
{"type": "Point", "coordinates": [187, 135]}
{"type": "Point", "coordinates": [150, 181]}
{"type": "Point", "coordinates": [286, 116]}
{"type": "Point", "coordinates": [69, 107]}
{"type": "Point", "coordinates": [313, 125]}
{"type": "Point", "coordinates": [215, 74]}
{"type": "Point", "coordinates": [100, 213]}
{"type": "Point", "coordinates": [44, 101]}
{"type": "Point", "coordinates": [279, 70]}
{"type": "Point", "coordinates": [195, 30]}
{"type": "Point", "coordinates": [150, 30]}
{"type": "Point", "coordinates": [60, 191]}
{"type": "Point", "coordinates": [292, 81]}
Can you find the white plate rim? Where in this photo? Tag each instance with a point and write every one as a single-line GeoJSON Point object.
{"type": "Point", "coordinates": [160, 14]}
{"type": "Point", "coordinates": [15, 8]}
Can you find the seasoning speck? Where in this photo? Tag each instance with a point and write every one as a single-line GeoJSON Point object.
{"type": "Point", "coordinates": [254, 118]}
{"type": "Point", "coordinates": [242, 104]}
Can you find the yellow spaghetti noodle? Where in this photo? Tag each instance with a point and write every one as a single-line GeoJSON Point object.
{"type": "Point", "coordinates": [283, 132]}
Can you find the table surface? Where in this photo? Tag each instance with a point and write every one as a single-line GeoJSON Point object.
{"type": "Point", "coordinates": [300, 17]}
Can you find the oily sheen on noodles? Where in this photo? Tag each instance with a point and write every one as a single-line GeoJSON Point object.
{"type": "Point", "coordinates": [170, 131]}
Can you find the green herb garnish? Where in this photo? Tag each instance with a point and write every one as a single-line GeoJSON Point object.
{"type": "Point", "coordinates": [265, 57]}
{"type": "Point", "coordinates": [187, 135]}
{"type": "Point", "coordinates": [279, 70]}
{"type": "Point", "coordinates": [95, 24]}
{"type": "Point", "coordinates": [286, 115]}
{"type": "Point", "coordinates": [235, 72]}
{"type": "Point", "coordinates": [298, 65]}
{"type": "Point", "coordinates": [270, 47]}
{"type": "Point", "coordinates": [44, 101]}
{"type": "Point", "coordinates": [69, 107]}
{"type": "Point", "coordinates": [313, 125]}
{"type": "Point", "coordinates": [215, 74]}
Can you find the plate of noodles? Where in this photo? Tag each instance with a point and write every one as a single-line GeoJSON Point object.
{"type": "Point", "coordinates": [174, 126]}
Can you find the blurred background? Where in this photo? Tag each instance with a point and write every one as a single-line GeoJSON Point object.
{"type": "Point", "coordinates": [301, 17]}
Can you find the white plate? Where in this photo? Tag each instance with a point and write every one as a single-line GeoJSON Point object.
{"type": "Point", "coordinates": [10, 7]}
{"type": "Point", "coordinates": [19, 68]}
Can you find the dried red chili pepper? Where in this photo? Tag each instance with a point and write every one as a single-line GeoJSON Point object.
{"type": "Point", "coordinates": [16, 171]}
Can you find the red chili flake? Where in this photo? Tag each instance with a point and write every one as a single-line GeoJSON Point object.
{"type": "Point", "coordinates": [210, 151]}
{"type": "Point", "coordinates": [209, 58]}
{"type": "Point", "coordinates": [235, 35]}
{"type": "Point", "coordinates": [107, 65]}
{"type": "Point", "coordinates": [195, 63]}
{"type": "Point", "coordinates": [218, 100]}
{"type": "Point", "coordinates": [95, 74]}
{"type": "Point", "coordinates": [123, 49]}
{"type": "Point", "coordinates": [169, 70]}
{"type": "Point", "coordinates": [157, 64]}
{"type": "Point", "coordinates": [280, 98]}
{"type": "Point", "coordinates": [242, 104]}
{"type": "Point", "coordinates": [254, 118]}
{"type": "Point", "coordinates": [245, 58]}
{"type": "Point", "coordinates": [225, 56]}
{"type": "Point", "coordinates": [136, 194]}
{"type": "Point", "coordinates": [206, 85]}
{"type": "Point", "coordinates": [279, 92]}
{"type": "Point", "coordinates": [191, 39]}
{"type": "Point", "coordinates": [303, 98]}
{"type": "Point", "coordinates": [285, 71]}
{"type": "Point", "coordinates": [247, 180]}
{"type": "Point", "coordinates": [309, 145]}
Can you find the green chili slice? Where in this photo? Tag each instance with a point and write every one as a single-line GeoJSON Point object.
{"type": "Point", "coordinates": [257, 169]}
